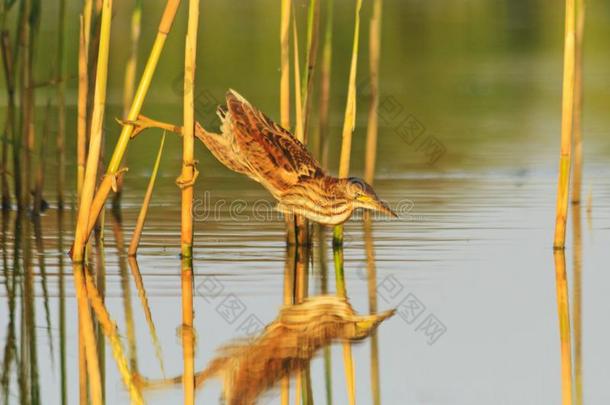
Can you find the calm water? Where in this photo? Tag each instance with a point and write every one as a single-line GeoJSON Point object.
{"type": "Point", "coordinates": [469, 264]}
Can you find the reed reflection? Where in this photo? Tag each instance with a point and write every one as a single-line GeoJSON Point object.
{"type": "Point", "coordinates": [301, 291]}
{"type": "Point", "coordinates": [10, 279]}
{"type": "Point", "coordinates": [577, 302]}
{"type": "Point", "coordinates": [372, 293]}
{"type": "Point", "coordinates": [563, 311]}
{"type": "Point", "coordinates": [348, 360]}
{"type": "Point", "coordinates": [62, 308]}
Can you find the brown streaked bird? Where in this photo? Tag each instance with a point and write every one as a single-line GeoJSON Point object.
{"type": "Point", "coordinates": [252, 144]}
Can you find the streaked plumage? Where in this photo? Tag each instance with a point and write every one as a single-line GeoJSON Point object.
{"type": "Point", "coordinates": [252, 144]}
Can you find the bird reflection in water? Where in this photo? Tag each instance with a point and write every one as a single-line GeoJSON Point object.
{"type": "Point", "coordinates": [248, 368]}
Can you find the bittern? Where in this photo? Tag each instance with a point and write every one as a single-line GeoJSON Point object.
{"type": "Point", "coordinates": [252, 144]}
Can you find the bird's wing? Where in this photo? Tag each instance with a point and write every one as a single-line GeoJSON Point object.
{"type": "Point", "coordinates": [276, 156]}
{"type": "Point", "coordinates": [220, 147]}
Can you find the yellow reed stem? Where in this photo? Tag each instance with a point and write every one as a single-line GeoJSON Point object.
{"type": "Point", "coordinates": [137, 233]}
{"type": "Point", "coordinates": [285, 8]}
{"type": "Point", "coordinates": [129, 82]}
{"type": "Point", "coordinates": [298, 130]}
{"type": "Point", "coordinates": [321, 141]}
{"type": "Point", "coordinates": [164, 27]}
{"type": "Point", "coordinates": [88, 337]}
{"type": "Point", "coordinates": [81, 128]}
{"type": "Point", "coordinates": [113, 170]}
{"type": "Point", "coordinates": [110, 331]}
{"type": "Point", "coordinates": [188, 333]}
{"type": "Point", "coordinates": [578, 96]}
{"type": "Point", "coordinates": [300, 223]}
{"type": "Point", "coordinates": [83, 90]}
{"type": "Point", "coordinates": [349, 120]}
{"type": "Point", "coordinates": [132, 62]}
{"type": "Point", "coordinates": [97, 122]}
{"type": "Point", "coordinates": [374, 51]}
{"type": "Point", "coordinates": [189, 173]}
{"type": "Point", "coordinates": [563, 311]}
{"type": "Point", "coordinates": [87, 17]}
{"type": "Point", "coordinates": [567, 111]}
{"type": "Point", "coordinates": [285, 64]}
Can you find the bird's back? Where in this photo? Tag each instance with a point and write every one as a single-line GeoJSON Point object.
{"type": "Point", "coordinates": [274, 157]}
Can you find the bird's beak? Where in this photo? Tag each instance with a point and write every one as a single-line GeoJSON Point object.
{"type": "Point", "coordinates": [377, 205]}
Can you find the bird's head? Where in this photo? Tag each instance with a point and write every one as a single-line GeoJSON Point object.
{"type": "Point", "coordinates": [362, 195]}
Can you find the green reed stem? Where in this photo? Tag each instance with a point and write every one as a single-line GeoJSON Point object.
{"type": "Point", "coordinates": [10, 132]}
{"type": "Point", "coordinates": [313, 20]}
{"type": "Point", "coordinates": [61, 105]}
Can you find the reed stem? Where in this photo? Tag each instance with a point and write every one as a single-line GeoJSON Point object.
{"type": "Point", "coordinates": [61, 106]}
{"type": "Point", "coordinates": [41, 164]}
{"type": "Point", "coordinates": [374, 52]}
{"type": "Point", "coordinates": [113, 170]}
{"type": "Point", "coordinates": [298, 106]}
{"type": "Point", "coordinates": [349, 120]}
{"type": "Point", "coordinates": [285, 7]}
{"type": "Point", "coordinates": [81, 127]}
{"type": "Point", "coordinates": [10, 130]}
{"type": "Point", "coordinates": [137, 233]}
{"type": "Point", "coordinates": [578, 96]}
{"type": "Point", "coordinates": [185, 182]}
{"type": "Point", "coordinates": [189, 172]}
{"type": "Point", "coordinates": [300, 223]}
{"type": "Point", "coordinates": [285, 64]}
{"type": "Point", "coordinates": [26, 100]}
{"type": "Point", "coordinates": [320, 144]}
{"type": "Point", "coordinates": [97, 122]}
{"type": "Point", "coordinates": [313, 21]}
{"type": "Point", "coordinates": [129, 82]}
{"type": "Point", "coordinates": [132, 62]}
{"type": "Point", "coordinates": [567, 113]}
